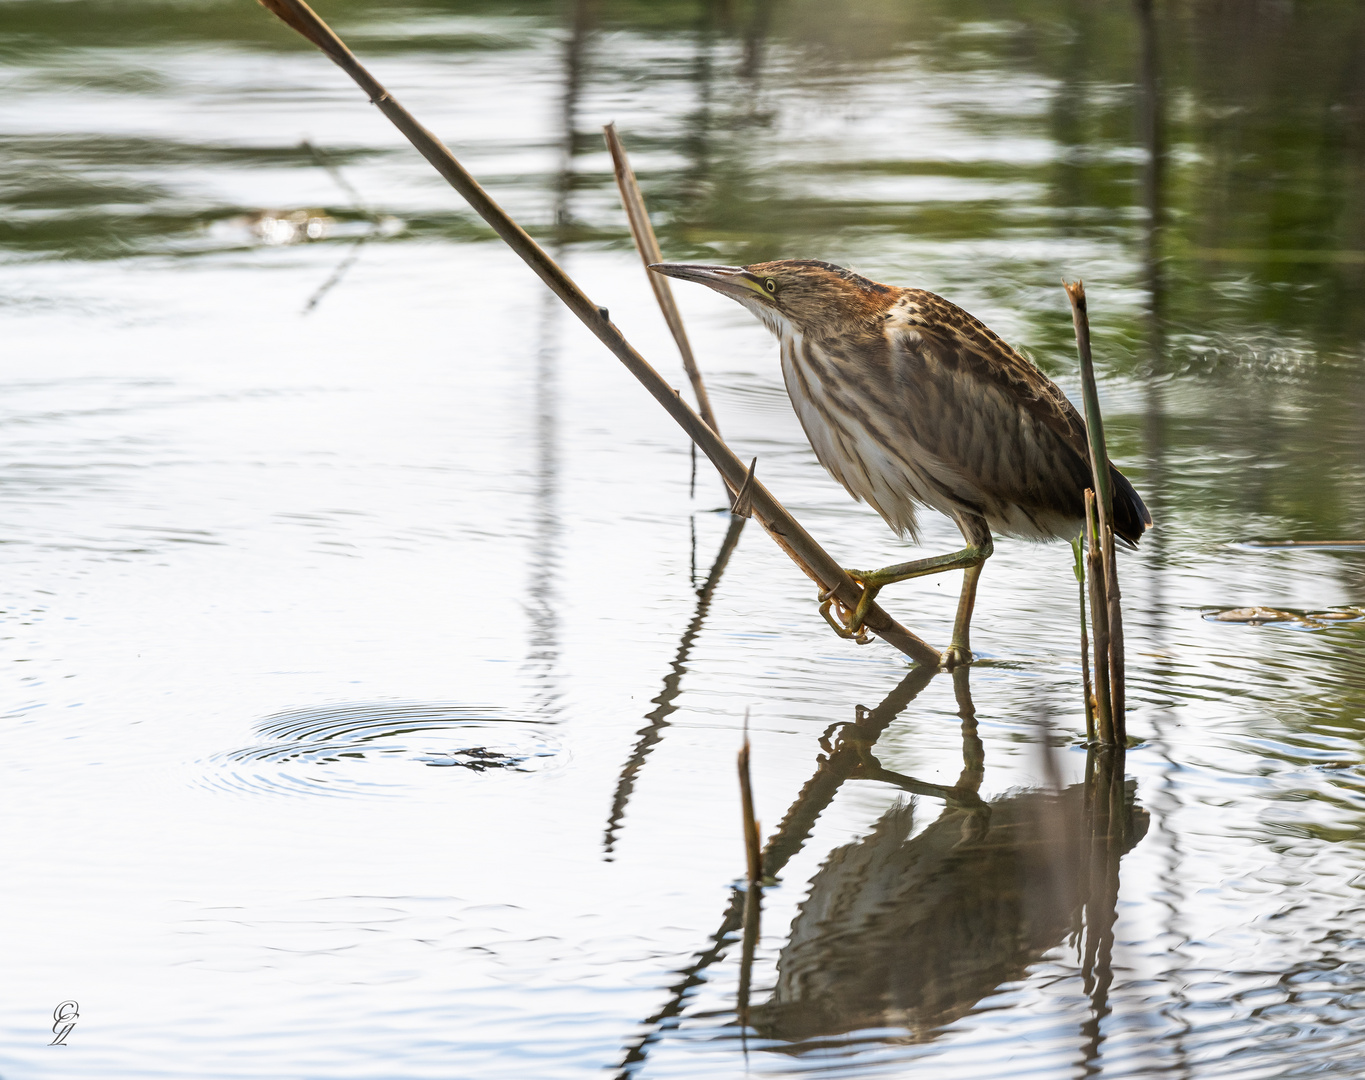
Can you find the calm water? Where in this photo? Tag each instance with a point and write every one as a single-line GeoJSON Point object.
{"type": "Point", "coordinates": [371, 713]}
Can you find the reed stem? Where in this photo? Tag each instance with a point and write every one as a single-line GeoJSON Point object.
{"type": "Point", "coordinates": [647, 244]}
{"type": "Point", "coordinates": [1078, 550]}
{"type": "Point", "coordinates": [1109, 691]}
{"type": "Point", "coordinates": [1099, 621]}
{"type": "Point", "coordinates": [785, 530]}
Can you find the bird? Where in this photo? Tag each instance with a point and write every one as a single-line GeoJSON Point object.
{"type": "Point", "coordinates": [909, 401]}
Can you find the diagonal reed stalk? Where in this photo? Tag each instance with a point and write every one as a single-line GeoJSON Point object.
{"type": "Point", "coordinates": [1106, 613]}
{"type": "Point", "coordinates": [789, 535]}
{"type": "Point", "coordinates": [647, 244]}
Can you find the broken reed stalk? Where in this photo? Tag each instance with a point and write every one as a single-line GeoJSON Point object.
{"type": "Point", "coordinates": [1109, 691]}
{"type": "Point", "coordinates": [647, 244]}
{"type": "Point", "coordinates": [789, 535]}
{"type": "Point", "coordinates": [1099, 622]}
{"type": "Point", "coordinates": [753, 853]}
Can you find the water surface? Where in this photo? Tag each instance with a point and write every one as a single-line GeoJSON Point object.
{"type": "Point", "coordinates": [374, 687]}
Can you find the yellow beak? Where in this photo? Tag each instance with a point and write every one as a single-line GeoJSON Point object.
{"type": "Point", "coordinates": [734, 281]}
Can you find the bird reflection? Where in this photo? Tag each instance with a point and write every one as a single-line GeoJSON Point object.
{"type": "Point", "coordinates": [912, 932]}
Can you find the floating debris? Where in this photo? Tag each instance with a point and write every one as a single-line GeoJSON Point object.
{"type": "Point", "coordinates": [1307, 620]}
{"type": "Point", "coordinates": [277, 227]}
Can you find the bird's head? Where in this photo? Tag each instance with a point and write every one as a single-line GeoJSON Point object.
{"type": "Point", "coordinates": [815, 298]}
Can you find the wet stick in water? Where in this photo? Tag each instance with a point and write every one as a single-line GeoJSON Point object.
{"type": "Point", "coordinates": [1099, 622]}
{"type": "Point", "coordinates": [785, 530]}
{"type": "Point", "coordinates": [1078, 550]}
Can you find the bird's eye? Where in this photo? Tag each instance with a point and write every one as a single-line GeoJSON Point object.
{"type": "Point", "coordinates": [770, 285]}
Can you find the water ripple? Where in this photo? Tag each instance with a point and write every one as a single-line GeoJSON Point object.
{"type": "Point", "coordinates": [371, 748]}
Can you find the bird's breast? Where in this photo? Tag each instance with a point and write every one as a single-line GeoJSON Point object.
{"type": "Point", "coordinates": [853, 439]}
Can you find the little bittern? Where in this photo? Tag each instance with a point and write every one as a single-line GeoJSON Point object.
{"type": "Point", "coordinates": [909, 401]}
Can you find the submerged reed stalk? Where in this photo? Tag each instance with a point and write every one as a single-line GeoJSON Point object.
{"type": "Point", "coordinates": [785, 530]}
{"type": "Point", "coordinates": [1078, 550]}
{"type": "Point", "coordinates": [1099, 622]}
{"type": "Point", "coordinates": [1106, 613]}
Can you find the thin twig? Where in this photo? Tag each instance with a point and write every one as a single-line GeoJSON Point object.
{"type": "Point", "coordinates": [335, 278]}
{"type": "Point", "coordinates": [1094, 421]}
{"type": "Point", "coordinates": [339, 178]}
{"type": "Point", "coordinates": [789, 535]}
{"type": "Point", "coordinates": [359, 205]}
{"type": "Point", "coordinates": [647, 244]}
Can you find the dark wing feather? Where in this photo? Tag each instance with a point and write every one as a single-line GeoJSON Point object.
{"type": "Point", "coordinates": [990, 413]}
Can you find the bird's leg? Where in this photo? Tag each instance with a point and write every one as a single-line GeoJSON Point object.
{"type": "Point", "coordinates": [959, 650]}
{"type": "Point", "coordinates": [969, 558]}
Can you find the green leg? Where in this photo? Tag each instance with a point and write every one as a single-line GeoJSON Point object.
{"type": "Point", "coordinates": [959, 650]}
{"type": "Point", "coordinates": [873, 581]}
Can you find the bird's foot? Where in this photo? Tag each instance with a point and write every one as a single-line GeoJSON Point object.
{"type": "Point", "coordinates": [955, 655]}
{"type": "Point", "coordinates": [843, 622]}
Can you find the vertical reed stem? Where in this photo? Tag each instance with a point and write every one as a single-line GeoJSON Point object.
{"type": "Point", "coordinates": [1116, 665]}
{"type": "Point", "coordinates": [1078, 549]}
{"type": "Point", "coordinates": [1099, 620]}
{"type": "Point", "coordinates": [1109, 691]}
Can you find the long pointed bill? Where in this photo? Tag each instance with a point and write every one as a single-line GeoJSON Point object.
{"type": "Point", "coordinates": [732, 281]}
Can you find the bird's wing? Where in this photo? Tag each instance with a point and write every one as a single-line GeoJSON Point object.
{"type": "Point", "coordinates": [983, 410]}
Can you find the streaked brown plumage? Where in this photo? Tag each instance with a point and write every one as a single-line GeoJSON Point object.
{"type": "Point", "coordinates": [908, 400]}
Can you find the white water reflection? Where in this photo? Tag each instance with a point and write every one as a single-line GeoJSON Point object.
{"type": "Point", "coordinates": [435, 492]}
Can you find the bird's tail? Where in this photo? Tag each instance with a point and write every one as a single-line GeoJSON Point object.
{"type": "Point", "coordinates": [1131, 517]}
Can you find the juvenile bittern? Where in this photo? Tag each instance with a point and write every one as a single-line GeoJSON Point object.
{"type": "Point", "coordinates": [909, 401]}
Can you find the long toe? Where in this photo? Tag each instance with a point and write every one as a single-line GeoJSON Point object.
{"type": "Point", "coordinates": [956, 656]}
